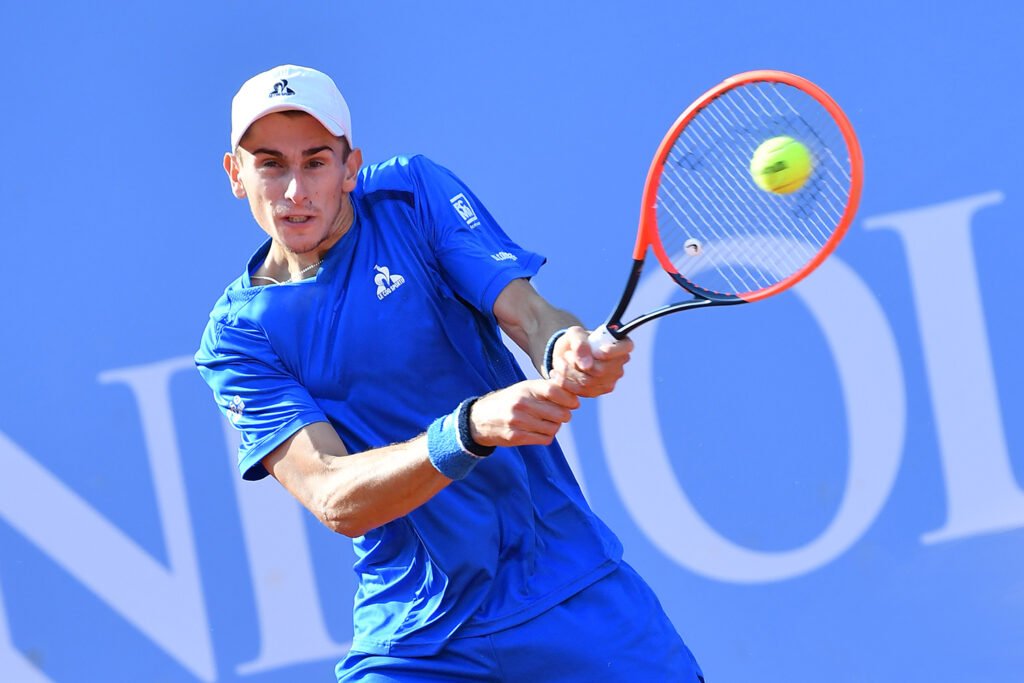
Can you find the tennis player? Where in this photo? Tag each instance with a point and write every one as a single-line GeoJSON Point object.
{"type": "Point", "coordinates": [359, 354]}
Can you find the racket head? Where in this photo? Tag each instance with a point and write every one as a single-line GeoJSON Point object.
{"type": "Point", "coordinates": [711, 227]}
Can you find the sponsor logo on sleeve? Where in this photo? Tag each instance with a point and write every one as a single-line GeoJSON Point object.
{"type": "Point", "coordinates": [235, 409]}
{"type": "Point", "coordinates": [465, 210]}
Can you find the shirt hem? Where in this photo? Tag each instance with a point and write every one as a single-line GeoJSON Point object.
{"type": "Point", "coordinates": [474, 629]}
{"type": "Point", "coordinates": [502, 278]}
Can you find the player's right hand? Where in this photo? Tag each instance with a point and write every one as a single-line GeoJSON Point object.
{"type": "Point", "coordinates": [526, 413]}
{"type": "Point", "coordinates": [586, 371]}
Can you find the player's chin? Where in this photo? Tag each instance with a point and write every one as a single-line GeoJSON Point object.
{"type": "Point", "coordinates": [299, 241]}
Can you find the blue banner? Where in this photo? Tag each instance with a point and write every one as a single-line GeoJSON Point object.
{"type": "Point", "coordinates": [826, 486]}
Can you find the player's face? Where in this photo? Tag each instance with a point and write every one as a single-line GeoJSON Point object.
{"type": "Point", "coordinates": [296, 177]}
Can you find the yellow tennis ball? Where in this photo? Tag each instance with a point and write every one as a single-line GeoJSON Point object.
{"type": "Point", "coordinates": [781, 165]}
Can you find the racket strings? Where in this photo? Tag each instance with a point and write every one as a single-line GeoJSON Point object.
{"type": "Point", "coordinates": [691, 213]}
{"type": "Point", "coordinates": [744, 119]}
{"type": "Point", "coordinates": [772, 211]}
{"type": "Point", "coordinates": [747, 218]}
{"type": "Point", "coordinates": [815, 150]}
{"type": "Point", "coordinates": [719, 206]}
{"type": "Point", "coordinates": [821, 150]}
{"type": "Point", "coordinates": [705, 232]}
{"type": "Point", "coordinates": [809, 130]}
{"type": "Point", "coordinates": [723, 232]}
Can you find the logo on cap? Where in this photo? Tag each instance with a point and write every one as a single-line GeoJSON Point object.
{"type": "Point", "coordinates": [281, 88]}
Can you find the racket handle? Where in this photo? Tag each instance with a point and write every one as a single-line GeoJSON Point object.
{"type": "Point", "coordinates": [602, 336]}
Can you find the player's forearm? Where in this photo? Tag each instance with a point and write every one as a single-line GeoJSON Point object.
{"type": "Point", "coordinates": [534, 339]}
{"type": "Point", "coordinates": [529, 320]}
{"type": "Point", "coordinates": [352, 494]}
{"type": "Point", "coordinates": [360, 492]}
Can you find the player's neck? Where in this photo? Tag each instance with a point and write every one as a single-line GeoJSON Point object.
{"type": "Point", "coordinates": [283, 265]}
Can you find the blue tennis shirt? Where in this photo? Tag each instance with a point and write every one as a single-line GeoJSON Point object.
{"type": "Point", "coordinates": [396, 329]}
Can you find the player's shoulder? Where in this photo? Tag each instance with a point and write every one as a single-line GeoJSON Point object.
{"type": "Point", "coordinates": [401, 173]}
{"type": "Point", "coordinates": [233, 312]}
{"type": "Point", "coordinates": [240, 292]}
{"type": "Point", "coordinates": [233, 299]}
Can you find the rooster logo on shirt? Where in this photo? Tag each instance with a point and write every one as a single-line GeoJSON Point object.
{"type": "Point", "coordinates": [386, 282]}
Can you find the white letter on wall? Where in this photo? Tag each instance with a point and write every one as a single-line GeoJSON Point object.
{"type": "Point", "coordinates": [869, 369]}
{"type": "Point", "coordinates": [13, 665]}
{"type": "Point", "coordinates": [292, 627]}
{"type": "Point", "coordinates": [981, 492]}
{"type": "Point", "coordinates": [166, 604]}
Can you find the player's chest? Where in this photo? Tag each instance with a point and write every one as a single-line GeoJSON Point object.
{"type": "Point", "coordinates": [379, 314]}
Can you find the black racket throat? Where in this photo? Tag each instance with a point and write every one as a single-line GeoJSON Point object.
{"type": "Point", "coordinates": [701, 299]}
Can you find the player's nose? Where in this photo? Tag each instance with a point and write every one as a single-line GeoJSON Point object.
{"type": "Point", "coordinates": [295, 192]}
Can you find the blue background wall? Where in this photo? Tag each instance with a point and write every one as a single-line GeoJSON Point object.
{"type": "Point", "coordinates": [825, 486]}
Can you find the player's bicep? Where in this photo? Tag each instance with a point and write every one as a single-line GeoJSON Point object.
{"type": "Point", "coordinates": [477, 259]}
{"type": "Point", "coordinates": [302, 463]}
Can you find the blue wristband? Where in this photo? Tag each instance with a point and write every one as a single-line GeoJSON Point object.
{"type": "Point", "coordinates": [446, 452]}
{"type": "Point", "coordinates": [465, 432]}
{"type": "Point", "coordinates": [549, 351]}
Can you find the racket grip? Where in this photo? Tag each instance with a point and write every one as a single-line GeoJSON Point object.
{"type": "Point", "coordinates": [601, 337]}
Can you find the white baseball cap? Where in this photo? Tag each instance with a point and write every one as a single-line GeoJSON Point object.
{"type": "Point", "coordinates": [286, 88]}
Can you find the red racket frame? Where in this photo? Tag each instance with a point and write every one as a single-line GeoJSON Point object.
{"type": "Point", "coordinates": [647, 235]}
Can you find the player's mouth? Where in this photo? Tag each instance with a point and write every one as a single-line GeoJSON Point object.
{"type": "Point", "coordinates": [297, 219]}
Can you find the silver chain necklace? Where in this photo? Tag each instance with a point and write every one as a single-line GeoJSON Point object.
{"type": "Point", "coordinates": [291, 279]}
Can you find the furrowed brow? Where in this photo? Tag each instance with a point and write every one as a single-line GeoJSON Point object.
{"type": "Point", "coordinates": [316, 150]}
{"type": "Point", "coordinates": [306, 152]}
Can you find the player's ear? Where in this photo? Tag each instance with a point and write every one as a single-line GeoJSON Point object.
{"type": "Point", "coordinates": [231, 168]}
{"type": "Point", "coordinates": [353, 162]}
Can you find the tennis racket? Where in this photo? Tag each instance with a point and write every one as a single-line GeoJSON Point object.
{"type": "Point", "coordinates": [711, 227]}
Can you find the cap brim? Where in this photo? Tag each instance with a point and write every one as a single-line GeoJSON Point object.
{"type": "Point", "coordinates": [333, 127]}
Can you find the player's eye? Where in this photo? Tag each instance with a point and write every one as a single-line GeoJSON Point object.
{"type": "Point", "coordinates": [316, 163]}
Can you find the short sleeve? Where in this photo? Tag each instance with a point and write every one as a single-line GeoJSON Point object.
{"type": "Point", "coordinates": [476, 257]}
{"type": "Point", "coordinates": [256, 394]}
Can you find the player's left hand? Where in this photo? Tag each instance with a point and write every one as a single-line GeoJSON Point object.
{"type": "Point", "coordinates": [585, 371]}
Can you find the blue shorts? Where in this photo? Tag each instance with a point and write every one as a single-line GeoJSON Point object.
{"type": "Point", "coordinates": [613, 630]}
